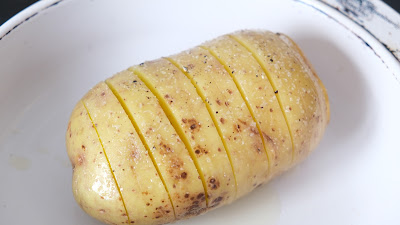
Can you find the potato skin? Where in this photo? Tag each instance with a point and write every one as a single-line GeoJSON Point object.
{"type": "Point", "coordinates": [263, 84]}
{"type": "Point", "coordinates": [93, 185]}
{"type": "Point", "coordinates": [297, 89]}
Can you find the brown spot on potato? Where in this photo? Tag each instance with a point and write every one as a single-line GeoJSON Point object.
{"type": "Point", "coordinates": [135, 154]}
{"type": "Point", "coordinates": [174, 168]}
{"type": "Point", "coordinates": [190, 66]}
{"type": "Point", "coordinates": [201, 195]}
{"type": "Point", "coordinates": [213, 184]}
{"type": "Point", "coordinates": [218, 102]}
{"type": "Point", "coordinates": [176, 163]}
{"type": "Point", "coordinates": [186, 195]}
{"type": "Point", "coordinates": [242, 122]}
{"type": "Point", "coordinates": [237, 128]}
{"type": "Point", "coordinates": [83, 148]}
{"type": "Point", "coordinates": [169, 98]}
{"type": "Point", "coordinates": [149, 131]}
{"type": "Point", "coordinates": [229, 91]}
{"type": "Point", "coordinates": [161, 211]}
{"type": "Point", "coordinates": [192, 124]}
{"type": "Point", "coordinates": [227, 103]}
{"type": "Point", "coordinates": [103, 93]}
{"type": "Point", "coordinates": [81, 159]}
{"type": "Point", "coordinates": [165, 148]}
{"type": "Point", "coordinates": [268, 138]}
{"type": "Point", "coordinates": [217, 200]}
{"type": "Point", "coordinates": [102, 210]}
{"type": "Point", "coordinates": [183, 175]}
{"type": "Point", "coordinates": [200, 151]}
{"type": "Point", "coordinates": [222, 120]}
{"type": "Point", "coordinates": [271, 110]}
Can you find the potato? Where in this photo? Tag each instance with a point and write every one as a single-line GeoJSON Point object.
{"type": "Point", "coordinates": [176, 137]}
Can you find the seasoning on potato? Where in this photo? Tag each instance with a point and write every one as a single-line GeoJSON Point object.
{"type": "Point", "coordinates": [176, 137]}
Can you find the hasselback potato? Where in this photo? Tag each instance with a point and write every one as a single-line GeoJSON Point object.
{"type": "Point", "coordinates": [178, 136]}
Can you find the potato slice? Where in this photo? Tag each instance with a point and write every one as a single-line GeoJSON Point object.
{"type": "Point", "coordinates": [168, 151]}
{"type": "Point", "coordinates": [261, 100]}
{"type": "Point", "coordinates": [295, 89]}
{"type": "Point", "coordinates": [231, 116]}
{"type": "Point", "coordinates": [323, 97]}
{"type": "Point", "coordinates": [195, 127]}
{"type": "Point", "coordinates": [93, 184]}
{"type": "Point", "coordinates": [142, 190]}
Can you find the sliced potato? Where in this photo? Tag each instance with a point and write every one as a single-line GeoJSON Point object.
{"type": "Point", "coordinates": [260, 97]}
{"type": "Point", "coordinates": [294, 87]}
{"type": "Point", "coordinates": [142, 190]}
{"type": "Point", "coordinates": [231, 116]}
{"type": "Point", "coordinates": [175, 137]}
{"type": "Point", "coordinates": [195, 127]}
{"type": "Point", "coordinates": [170, 154]}
{"type": "Point", "coordinates": [323, 97]}
{"type": "Point", "coordinates": [93, 184]}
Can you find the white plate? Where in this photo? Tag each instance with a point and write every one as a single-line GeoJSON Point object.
{"type": "Point", "coordinates": [49, 61]}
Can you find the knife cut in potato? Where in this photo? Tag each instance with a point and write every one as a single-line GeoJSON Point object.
{"type": "Point", "coordinates": [176, 137]}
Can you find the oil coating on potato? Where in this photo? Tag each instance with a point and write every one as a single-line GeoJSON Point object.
{"type": "Point", "coordinates": [176, 137]}
{"type": "Point", "coordinates": [173, 161]}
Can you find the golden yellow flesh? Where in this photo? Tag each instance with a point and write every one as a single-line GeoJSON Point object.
{"type": "Point", "coordinates": [146, 202]}
{"type": "Point", "coordinates": [141, 136]}
{"type": "Point", "coordinates": [260, 99]}
{"type": "Point", "coordinates": [322, 92]}
{"type": "Point", "coordinates": [180, 131]}
{"type": "Point", "coordinates": [195, 126]}
{"type": "Point", "coordinates": [213, 118]}
{"type": "Point", "coordinates": [231, 115]}
{"type": "Point", "coordinates": [93, 184]}
{"type": "Point", "coordinates": [295, 89]}
{"type": "Point", "coordinates": [169, 153]}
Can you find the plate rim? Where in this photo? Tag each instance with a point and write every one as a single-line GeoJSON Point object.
{"type": "Point", "coordinates": [341, 7]}
{"type": "Point", "coordinates": [334, 9]}
{"type": "Point", "coordinates": [25, 15]}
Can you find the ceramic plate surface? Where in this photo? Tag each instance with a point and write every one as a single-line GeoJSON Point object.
{"type": "Point", "coordinates": [54, 51]}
